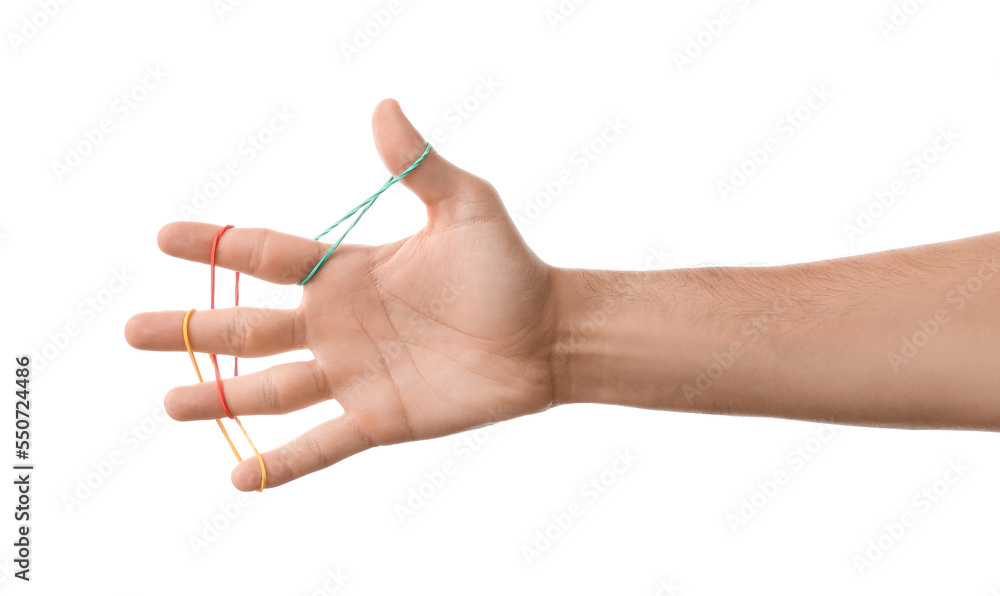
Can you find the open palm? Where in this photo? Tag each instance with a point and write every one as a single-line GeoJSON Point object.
{"type": "Point", "coordinates": [449, 329]}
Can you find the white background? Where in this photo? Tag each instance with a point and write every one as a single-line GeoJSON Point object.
{"type": "Point", "coordinates": [652, 191]}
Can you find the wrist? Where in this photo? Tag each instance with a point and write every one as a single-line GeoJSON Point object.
{"type": "Point", "coordinates": [619, 338]}
{"type": "Point", "coordinates": [579, 317]}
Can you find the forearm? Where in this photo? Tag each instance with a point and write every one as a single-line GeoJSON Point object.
{"type": "Point", "coordinates": [901, 338]}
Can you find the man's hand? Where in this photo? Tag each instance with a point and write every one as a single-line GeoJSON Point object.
{"type": "Point", "coordinates": [446, 330]}
{"type": "Point", "coordinates": [461, 325]}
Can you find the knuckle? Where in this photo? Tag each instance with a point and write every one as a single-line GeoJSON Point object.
{"type": "Point", "coordinates": [251, 321]}
{"type": "Point", "coordinates": [255, 257]}
{"type": "Point", "coordinates": [236, 333]}
{"type": "Point", "coordinates": [299, 328]}
{"type": "Point", "coordinates": [362, 436]}
{"type": "Point", "coordinates": [316, 451]}
{"type": "Point", "coordinates": [322, 382]}
{"type": "Point", "coordinates": [269, 393]}
{"type": "Point", "coordinates": [302, 268]}
{"type": "Point", "coordinates": [481, 187]}
{"type": "Point", "coordinates": [258, 253]}
{"type": "Point", "coordinates": [282, 470]}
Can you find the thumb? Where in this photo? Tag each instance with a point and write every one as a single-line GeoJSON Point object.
{"type": "Point", "coordinates": [441, 185]}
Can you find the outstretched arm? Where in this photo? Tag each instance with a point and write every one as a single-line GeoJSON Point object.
{"type": "Point", "coordinates": [905, 338]}
{"type": "Point", "coordinates": [461, 325]}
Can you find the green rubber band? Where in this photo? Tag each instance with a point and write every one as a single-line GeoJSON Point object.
{"type": "Point", "coordinates": [363, 207]}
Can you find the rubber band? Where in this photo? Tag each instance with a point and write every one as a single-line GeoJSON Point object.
{"type": "Point", "coordinates": [197, 370]}
{"type": "Point", "coordinates": [187, 344]}
{"type": "Point", "coordinates": [363, 207]}
{"type": "Point", "coordinates": [218, 375]}
{"type": "Point", "coordinates": [215, 361]}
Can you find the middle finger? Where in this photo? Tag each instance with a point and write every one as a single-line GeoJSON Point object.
{"type": "Point", "coordinates": [239, 331]}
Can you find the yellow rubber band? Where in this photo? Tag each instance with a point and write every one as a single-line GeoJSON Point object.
{"type": "Point", "coordinates": [197, 370]}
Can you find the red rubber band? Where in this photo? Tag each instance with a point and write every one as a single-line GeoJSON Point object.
{"type": "Point", "coordinates": [215, 247]}
{"type": "Point", "coordinates": [218, 384]}
{"type": "Point", "coordinates": [215, 362]}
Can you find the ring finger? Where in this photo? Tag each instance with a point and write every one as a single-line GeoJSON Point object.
{"type": "Point", "coordinates": [278, 390]}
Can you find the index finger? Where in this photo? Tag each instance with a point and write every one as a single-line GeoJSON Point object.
{"type": "Point", "coordinates": [265, 254]}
